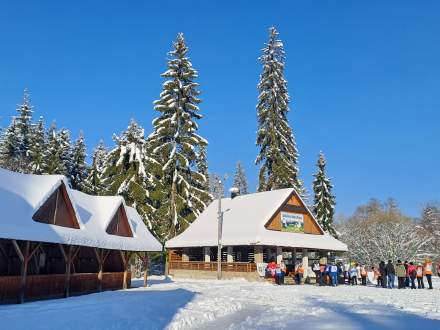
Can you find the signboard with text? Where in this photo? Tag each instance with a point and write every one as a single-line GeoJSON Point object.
{"type": "Point", "coordinates": [292, 222]}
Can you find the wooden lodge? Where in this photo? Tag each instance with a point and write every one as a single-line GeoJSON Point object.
{"type": "Point", "coordinates": [256, 228]}
{"type": "Point", "coordinates": [57, 242]}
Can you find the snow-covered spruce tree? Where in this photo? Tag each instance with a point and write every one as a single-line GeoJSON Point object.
{"type": "Point", "coordinates": [53, 163]}
{"type": "Point", "coordinates": [126, 172]}
{"type": "Point", "coordinates": [37, 148]}
{"type": "Point", "coordinates": [324, 206]}
{"type": "Point", "coordinates": [176, 145]}
{"type": "Point", "coordinates": [94, 183]}
{"type": "Point", "coordinates": [78, 170]}
{"type": "Point", "coordinates": [240, 181]}
{"type": "Point", "coordinates": [24, 131]}
{"type": "Point", "coordinates": [278, 154]}
{"type": "Point", "coordinates": [65, 150]}
{"type": "Point", "coordinates": [202, 169]}
{"type": "Point", "coordinates": [9, 150]}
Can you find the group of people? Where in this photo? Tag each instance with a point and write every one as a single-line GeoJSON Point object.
{"type": "Point", "coordinates": [384, 275]}
{"type": "Point", "coordinates": [407, 273]}
{"type": "Point", "coordinates": [279, 271]}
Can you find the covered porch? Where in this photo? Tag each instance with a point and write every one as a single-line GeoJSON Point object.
{"type": "Point", "coordinates": [240, 259]}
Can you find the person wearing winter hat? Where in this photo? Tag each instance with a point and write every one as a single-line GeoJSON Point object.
{"type": "Point", "coordinates": [391, 274]}
{"type": "Point", "coordinates": [419, 275]}
{"type": "Point", "coordinates": [401, 274]}
{"type": "Point", "coordinates": [412, 272]}
{"type": "Point", "coordinates": [427, 268]}
{"type": "Point", "coordinates": [383, 274]}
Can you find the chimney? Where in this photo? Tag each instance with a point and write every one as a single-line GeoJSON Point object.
{"type": "Point", "coordinates": [234, 192]}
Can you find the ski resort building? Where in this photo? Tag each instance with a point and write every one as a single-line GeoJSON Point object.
{"type": "Point", "coordinates": [256, 228]}
{"type": "Point", "coordinates": [56, 241]}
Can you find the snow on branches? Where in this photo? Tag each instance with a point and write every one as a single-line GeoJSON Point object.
{"type": "Point", "coordinates": [125, 171]}
{"type": "Point", "coordinates": [176, 145]}
{"type": "Point", "coordinates": [278, 154]}
{"type": "Point", "coordinates": [324, 205]}
{"type": "Point", "coordinates": [380, 232]}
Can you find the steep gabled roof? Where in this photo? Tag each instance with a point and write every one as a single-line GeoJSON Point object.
{"type": "Point", "coordinates": [22, 195]}
{"type": "Point", "coordinates": [244, 222]}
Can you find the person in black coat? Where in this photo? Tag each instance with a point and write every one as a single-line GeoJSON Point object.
{"type": "Point", "coordinates": [383, 274]}
{"type": "Point", "coordinates": [391, 273]}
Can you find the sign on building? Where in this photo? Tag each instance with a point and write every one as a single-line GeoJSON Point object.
{"type": "Point", "coordinates": [292, 222]}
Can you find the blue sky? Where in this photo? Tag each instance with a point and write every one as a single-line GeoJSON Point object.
{"type": "Point", "coordinates": [363, 79]}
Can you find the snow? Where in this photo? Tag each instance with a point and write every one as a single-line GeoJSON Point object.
{"type": "Point", "coordinates": [233, 304]}
{"type": "Point", "coordinates": [21, 195]}
{"type": "Point", "coordinates": [243, 224]}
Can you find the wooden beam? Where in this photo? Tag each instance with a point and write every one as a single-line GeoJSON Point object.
{"type": "Point", "coordinates": [75, 253]}
{"type": "Point", "coordinates": [34, 250]}
{"type": "Point", "coordinates": [18, 250]}
{"type": "Point", "coordinates": [125, 256]}
{"type": "Point", "coordinates": [24, 268]}
{"type": "Point", "coordinates": [63, 252]}
{"type": "Point", "coordinates": [3, 251]}
{"type": "Point", "coordinates": [100, 257]}
{"type": "Point", "coordinates": [68, 261]}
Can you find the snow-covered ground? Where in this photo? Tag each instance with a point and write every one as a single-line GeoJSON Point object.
{"type": "Point", "coordinates": [235, 304]}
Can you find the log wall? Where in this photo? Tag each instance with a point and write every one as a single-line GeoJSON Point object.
{"type": "Point", "coordinates": [52, 286]}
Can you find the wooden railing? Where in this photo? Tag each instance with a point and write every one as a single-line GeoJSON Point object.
{"type": "Point", "coordinates": [212, 266]}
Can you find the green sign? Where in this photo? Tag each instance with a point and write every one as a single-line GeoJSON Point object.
{"type": "Point", "coordinates": [292, 222]}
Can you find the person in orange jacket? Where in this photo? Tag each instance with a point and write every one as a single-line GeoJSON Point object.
{"type": "Point", "coordinates": [427, 268]}
{"type": "Point", "coordinates": [364, 274]}
{"type": "Point", "coordinates": [419, 274]}
{"type": "Point", "coordinates": [377, 275]}
{"type": "Point", "coordinates": [299, 273]}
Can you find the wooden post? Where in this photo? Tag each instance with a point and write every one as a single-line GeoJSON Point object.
{"type": "Point", "coordinates": [24, 266]}
{"type": "Point", "coordinates": [100, 258]}
{"type": "Point", "coordinates": [124, 256]}
{"type": "Point", "coordinates": [69, 257]}
{"type": "Point", "coordinates": [144, 259]}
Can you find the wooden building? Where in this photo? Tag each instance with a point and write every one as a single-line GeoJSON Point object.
{"type": "Point", "coordinates": [256, 228]}
{"type": "Point", "coordinates": [56, 242]}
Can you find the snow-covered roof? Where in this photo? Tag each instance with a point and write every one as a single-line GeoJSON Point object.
{"type": "Point", "coordinates": [21, 195]}
{"type": "Point", "coordinates": [244, 222]}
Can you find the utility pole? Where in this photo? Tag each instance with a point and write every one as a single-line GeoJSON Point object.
{"type": "Point", "coordinates": [220, 227]}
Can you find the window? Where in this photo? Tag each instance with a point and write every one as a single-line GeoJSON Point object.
{"type": "Point", "coordinates": [119, 225]}
{"type": "Point", "coordinates": [57, 210]}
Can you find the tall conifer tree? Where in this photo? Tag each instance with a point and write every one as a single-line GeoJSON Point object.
{"type": "Point", "coordinates": [24, 131]}
{"type": "Point", "coordinates": [9, 148]}
{"type": "Point", "coordinates": [78, 169]}
{"type": "Point", "coordinates": [37, 147]}
{"type": "Point", "coordinates": [324, 206]}
{"type": "Point", "coordinates": [94, 183]}
{"type": "Point", "coordinates": [176, 144]}
{"type": "Point", "coordinates": [126, 171]}
{"type": "Point", "coordinates": [240, 181]}
{"type": "Point", "coordinates": [278, 154]}
{"type": "Point", "coordinates": [53, 163]}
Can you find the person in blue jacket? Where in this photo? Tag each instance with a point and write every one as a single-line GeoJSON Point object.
{"type": "Point", "coordinates": [334, 274]}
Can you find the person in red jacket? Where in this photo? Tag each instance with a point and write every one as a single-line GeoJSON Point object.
{"type": "Point", "coordinates": [271, 268]}
{"type": "Point", "coordinates": [412, 273]}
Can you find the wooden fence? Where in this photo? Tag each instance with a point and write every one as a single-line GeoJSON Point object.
{"type": "Point", "coordinates": [212, 266]}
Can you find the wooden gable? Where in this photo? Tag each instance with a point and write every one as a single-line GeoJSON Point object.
{"type": "Point", "coordinates": [119, 224]}
{"type": "Point", "coordinates": [293, 205]}
{"type": "Point", "coordinates": [57, 210]}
